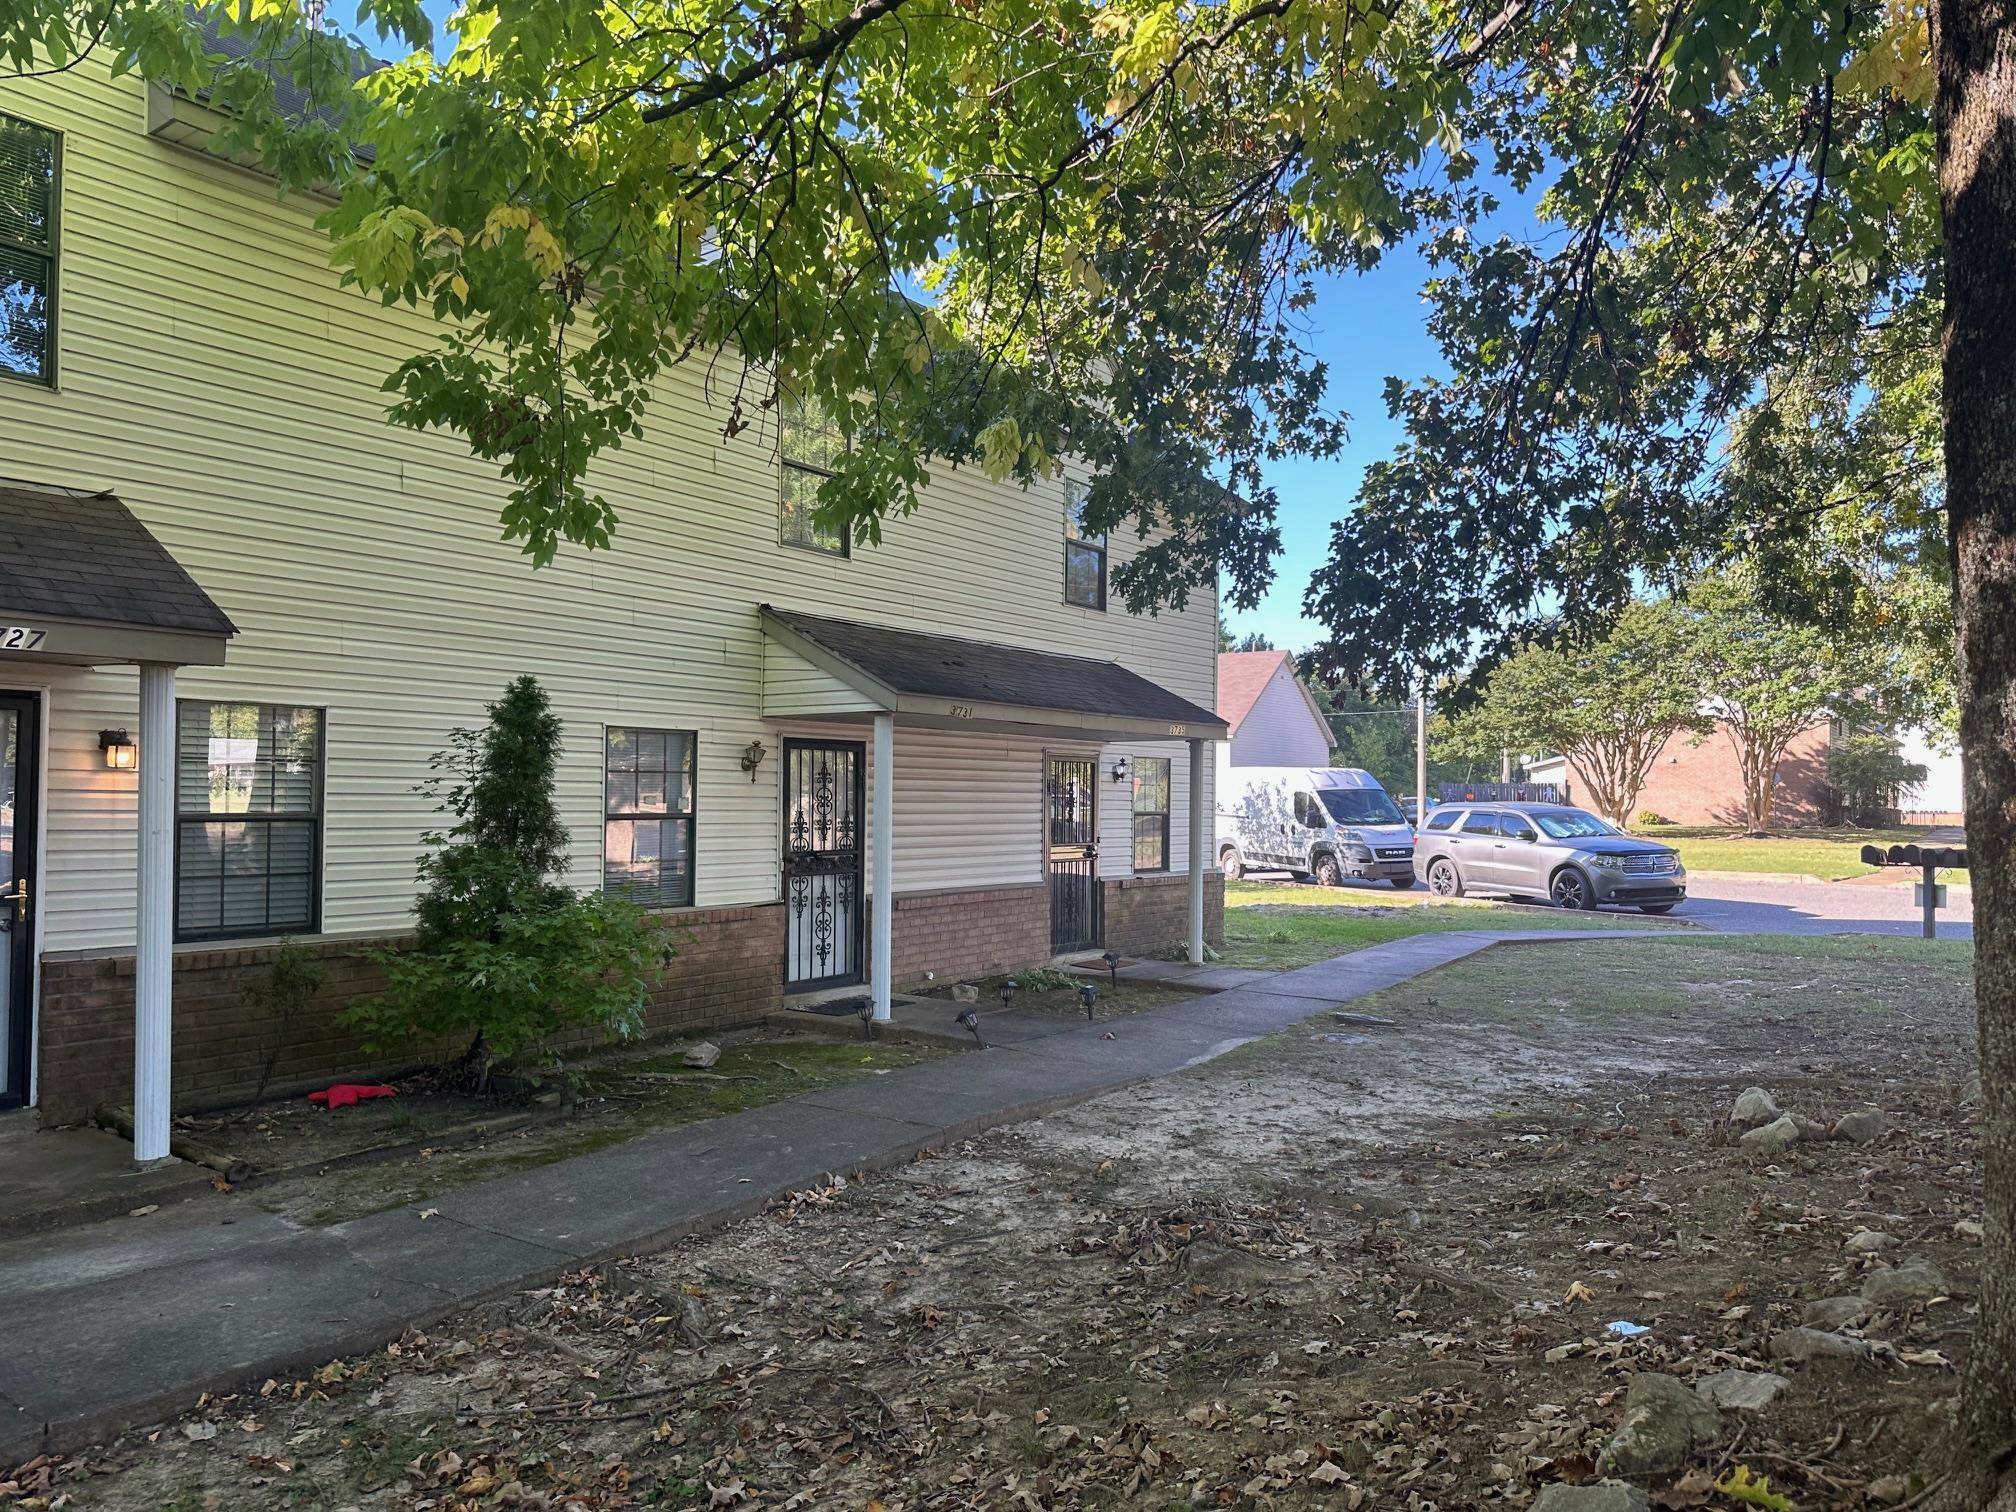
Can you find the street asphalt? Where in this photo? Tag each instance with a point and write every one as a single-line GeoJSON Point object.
{"type": "Point", "coordinates": [1762, 906]}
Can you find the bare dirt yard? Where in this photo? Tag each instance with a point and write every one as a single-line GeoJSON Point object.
{"type": "Point", "coordinates": [1358, 1265]}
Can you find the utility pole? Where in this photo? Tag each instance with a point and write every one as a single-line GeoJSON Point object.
{"type": "Point", "coordinates": [1505, 767]}
{"type": "Point", "coordinates": [1421, 757]}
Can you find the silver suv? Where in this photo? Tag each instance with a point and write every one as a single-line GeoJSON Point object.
{"type": "Point", "coordinates": [1545, 850]}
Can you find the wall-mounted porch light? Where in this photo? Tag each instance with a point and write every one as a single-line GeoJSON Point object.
{"type": "Point", "coordinates": [121, 755]}
{"type": "Point", "coordinates": [752, 758]}
{"type": "Point", "coordinates": [1120, 771]}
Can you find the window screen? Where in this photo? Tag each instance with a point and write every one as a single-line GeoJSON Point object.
{"type": "Point", "coordinates": [248, 834]}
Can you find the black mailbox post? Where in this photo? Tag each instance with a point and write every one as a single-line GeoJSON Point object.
{"type": "Point", "coordinates": [1930, 860]}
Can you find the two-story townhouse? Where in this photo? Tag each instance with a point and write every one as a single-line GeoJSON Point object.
{"type": "Point", "coordinates": [841, 769]}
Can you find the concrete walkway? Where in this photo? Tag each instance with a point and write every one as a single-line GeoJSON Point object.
{"type": "Point", "coordinates": [127, 1321]}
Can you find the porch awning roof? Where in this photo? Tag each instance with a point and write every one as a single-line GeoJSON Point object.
{"type": "Point", "coordinates": [944, 681]}
{"type": "Point", "coordinates": [84, 582]}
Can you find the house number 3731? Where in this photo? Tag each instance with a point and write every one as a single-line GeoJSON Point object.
{"type": "Point", "coordinates": [21, 638]}
{"type": "Point", "coordinates": [962, 711]}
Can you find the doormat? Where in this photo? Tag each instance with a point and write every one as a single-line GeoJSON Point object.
{"type": "Point", "coordinates": [847, 1007]}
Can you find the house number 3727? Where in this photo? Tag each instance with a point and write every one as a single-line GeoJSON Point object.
{"type": "Point", "coordinates": [21, 638]}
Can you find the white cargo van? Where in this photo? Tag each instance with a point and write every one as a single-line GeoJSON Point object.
{"type": "Point", "coordinates": [1326, 822]}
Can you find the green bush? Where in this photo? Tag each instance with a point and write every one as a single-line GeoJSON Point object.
{"type": "Point", "coordinates": [505, 954]}
{"type": "Point", "coordinates": [277, 997]}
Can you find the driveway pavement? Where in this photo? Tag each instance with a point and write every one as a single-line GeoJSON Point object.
{"type": "Point", "coordinates": [1768, 907]}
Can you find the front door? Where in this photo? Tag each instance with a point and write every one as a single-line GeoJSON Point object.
{"type": "Point", "coordinates": [1073, 853]}
{"type": "Point", "coordinates": [20, 744]}
{"type": "Point", "coordinates": [825, 823]}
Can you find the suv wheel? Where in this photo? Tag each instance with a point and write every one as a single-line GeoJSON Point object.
{"type": "Point", "coordinates": [1402, 883]}
{"type": "Point", "coordinates": [1327, 872]}
{"type": "Point", "coordinates": [1571, 889]}
{"type": "Point", "coordinates": [1443, 880]}
{"type": "Point", "coordinates": [1231, 863]}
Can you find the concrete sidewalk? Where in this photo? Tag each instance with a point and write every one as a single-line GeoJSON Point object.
{"type": "Point", "coordinates": [127, 1321]}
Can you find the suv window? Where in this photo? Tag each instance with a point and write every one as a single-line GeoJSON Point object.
{"type": "Point", "coordinates": [1516, 827]}
{"type": "Point", "coordinates": [1445, 820]}
{"type": "Point", "coordinates": [1481, 824]}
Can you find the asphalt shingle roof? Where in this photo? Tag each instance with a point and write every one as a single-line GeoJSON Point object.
{"type": "Point", "coordinates": [944, 666]}
{"type": "Point", "coordinates": [85, 557]}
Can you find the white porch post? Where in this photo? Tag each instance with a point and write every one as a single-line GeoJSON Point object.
{"type": "Point", "coordinates": [882, 920]}
{"type": "Point", "coordinates": [1200, 846]}
{"type": "Point", "coordinates": [154, 912]}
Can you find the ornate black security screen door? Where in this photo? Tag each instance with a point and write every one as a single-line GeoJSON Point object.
{"type": "Point", "coordinates": [825, 825]}
{"type": "Point", "coordinates": [1073, 853]}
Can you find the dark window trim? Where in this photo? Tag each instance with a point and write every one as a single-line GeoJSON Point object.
{"type": "Point", "coordinates": [316, 817]}
{"type": "Point", "coordinates": [844, 549]}
{"type": "Point", "coordinates": [1083, 543]}
{"type": "Point", "coordinates": [1168, 798]}
{"type": "Point", "coordinates": [691, 814]}
{"type": "Point", "coordinates": [54, 252]}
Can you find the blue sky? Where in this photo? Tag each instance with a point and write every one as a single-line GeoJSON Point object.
{"type": "Point", "coordinates": [1366, 327]}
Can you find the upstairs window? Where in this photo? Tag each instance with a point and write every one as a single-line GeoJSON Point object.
{"type": "Point", "coordinates": [248, 831]}
{"type": "Point", "coordinates": [647, 827]}
{"type": "Point", "coordinates": [810, 448]}
{"type": "Point", "coordinates": [1084, 554]}
{"type": "Point", "coordinates": [1151, 813]}
{"type": "Point", "coordinates": [29, 170]}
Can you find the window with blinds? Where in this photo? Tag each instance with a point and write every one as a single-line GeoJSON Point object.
{"type": "Point", "coordinates": [30, 158]}
{"type": "Point", "coordinates": [810, 449]}
{"type": "Point", "coordinates": [647, 820]}
{"type": "Point", "coordinates": [1151, 813]}
{"type": "Point", "coordinates": [248, 833]}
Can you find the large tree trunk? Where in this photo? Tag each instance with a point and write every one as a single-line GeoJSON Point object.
{"type": "Point", "coordinates": [1974, 48]}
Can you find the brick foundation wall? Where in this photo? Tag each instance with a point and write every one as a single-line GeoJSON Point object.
{"type": "Point", "coordinates": [729, 971]}
{"type": "Point", "coordinates": [1144, 914]}
{"type": "Point", "coordinates": [969, 932]}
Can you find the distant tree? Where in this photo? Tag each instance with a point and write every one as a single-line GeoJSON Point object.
{"type": "Point", "coordinates": [1770, 679]}
{"type": "Point", "coordinates": [1609, 705]}
{"type": "Point", "coordinates": [1377, 736]}
{"type": "Point", "coordinates": [1868, 770]}
{"type": "Point", "coordinates": [1253, 640]}
{"type": "Point", "coordinates": [505, 954]}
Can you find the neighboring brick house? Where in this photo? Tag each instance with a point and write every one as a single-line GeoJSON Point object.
{"type": "Point", "coordinates": [838, 769]}
{"type": "Point", "coordinates": [1696, 780]}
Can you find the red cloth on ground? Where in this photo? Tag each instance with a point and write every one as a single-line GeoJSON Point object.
{"type": "Point", "coordinates": [345, 1093]}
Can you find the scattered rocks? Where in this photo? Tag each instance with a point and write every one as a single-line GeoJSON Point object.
{"type": "Point", "coordinates": [965, 992]}
{"type": "Point", "coordinates": [1890, 1489]}
{"type": "Point", "coordinates": [1867, 1242]}
{"type": "Point", "coordinates": [1754, 1108]}
{"type": "Point", "coordinates": [1772, 1138]}
{"type": "Point", "coordinates": [1664, 1421]}
{"type": "Point", "coordinates": [1804, 1345]}
{"type": "Point", "coordinates": [1860, 1127]}
{"type": "Point", "coordinates": [1740, 1390]}
{"type": "Point", "coordinates": [1609, 1496]}
{"type": "Point", "coordinates": [1900, 1285]}
{"type": "Point", "coordinates": [1831, 1313]}
{"type": "Point", "coordinates": [1970, 1230]}
{"type": "Point", "coordinates": [702, 1055]}
{"type": "Point", "coordinates": [1809, 1128]}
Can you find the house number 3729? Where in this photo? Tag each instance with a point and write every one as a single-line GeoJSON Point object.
{"type": "Point", "coordinates": [21, 638]}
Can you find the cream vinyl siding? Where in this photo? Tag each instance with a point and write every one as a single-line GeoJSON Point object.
{"type": "Point", "coordinates": [215, 377]}
{"type": "Point", "coordinates": [1281, 729]}
{"type": "Point", "coordinates": [793, 687]}
{"type": "Point", "coordinates": [971, 809]}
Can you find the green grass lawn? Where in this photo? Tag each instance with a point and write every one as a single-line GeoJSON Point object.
{"type": "Point", "coordinates": [1825, 853]}
{"type": "Point", "coordinates": [1277, 926]}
